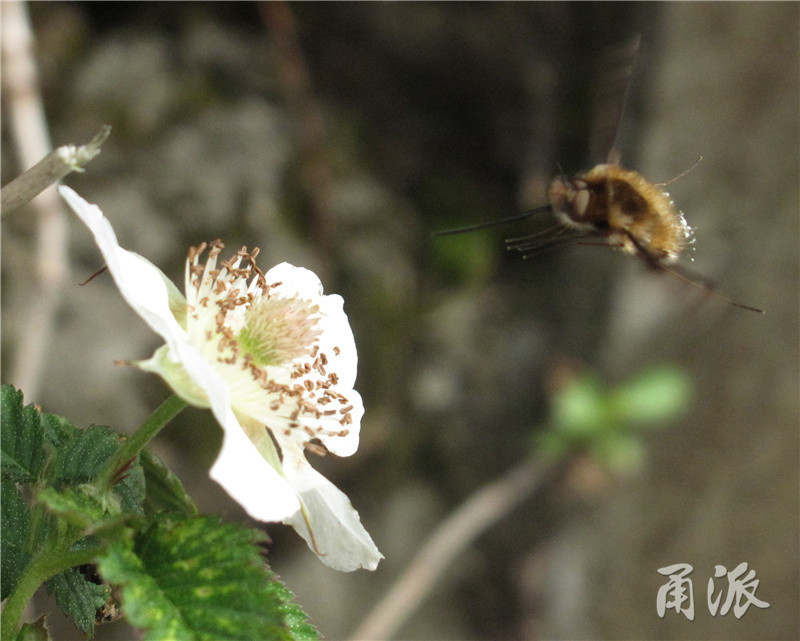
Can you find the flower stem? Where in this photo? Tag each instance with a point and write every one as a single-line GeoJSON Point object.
{"type": "Point", "coordinates": [48, 562]}
{"type": "Point", "coordinates": [137, 441]}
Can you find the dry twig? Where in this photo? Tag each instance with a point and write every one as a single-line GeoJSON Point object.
{"type": "Point", "coordinates": [481, 510]}
{"type": "Point", "coordinates": [50, 169]}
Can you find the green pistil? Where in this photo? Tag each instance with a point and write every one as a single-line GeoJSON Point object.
{"type": "Point", "coordinates": [278, 330]}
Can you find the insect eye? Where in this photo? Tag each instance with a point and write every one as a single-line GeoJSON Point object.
{"type": "Point", "coordinates": [580, 201]}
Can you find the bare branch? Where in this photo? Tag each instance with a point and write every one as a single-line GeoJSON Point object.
{"type": "Point", "coordinates": [481, 510]}
{"type": "Point", "coordinates": [50, 169]}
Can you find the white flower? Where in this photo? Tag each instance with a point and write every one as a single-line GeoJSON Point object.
{"type": "Point", "coordinates": [275, 361]}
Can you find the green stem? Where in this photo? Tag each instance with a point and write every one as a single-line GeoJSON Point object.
{"type": "Point", "coordinates": [53, 558]}
{"type": "Point", "coordinates": [137, 441]}
{"type": "Point", "coordinates": [48, 562]}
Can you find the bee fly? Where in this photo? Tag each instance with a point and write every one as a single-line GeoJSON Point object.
{"type": "Point", "coordinates": [618, 208]}
{"type": "Point", "coordinates": [615, 207]}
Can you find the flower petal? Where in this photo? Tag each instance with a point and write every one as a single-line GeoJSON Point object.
{"type": "Point", "coordinates": [139, 281]}
{"type": "Point", "coordinates": [327, 521]}
{"type": "Point", "coordinates": [252, 481]}
{"type": "Point", "coordinates": [240, 468]}
{"type": "Point", "coordinates": [345, 445]}
{"type": "Point", "coordinates": [295, 282]}
{"type": "Point", "coordinates": [337, 341]}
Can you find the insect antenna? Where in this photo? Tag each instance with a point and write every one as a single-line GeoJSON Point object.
{"type": "Point", "coordinates": [680, 175]}
{"type": "Point", "coordinates": [493, 223]}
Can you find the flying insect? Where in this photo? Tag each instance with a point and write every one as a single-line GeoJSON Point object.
{"type": "Point", "coordinates": [616, 207]}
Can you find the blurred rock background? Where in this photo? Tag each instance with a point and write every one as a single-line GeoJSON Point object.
{"type": "Point", "coordinates": [339, 137]}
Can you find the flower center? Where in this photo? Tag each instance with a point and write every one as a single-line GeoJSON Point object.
{"type": "Point", "coordinates": [278, 330]}
{"type": "Point", "coordinates": [267, 341]}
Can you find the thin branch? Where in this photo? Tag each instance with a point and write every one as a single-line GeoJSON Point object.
{"type": "Point", "coordinates": [480, 511]}
{"type": "Point", "coordinates": [50, 169]}
{"type": "Point", "coordinates": [32, 142]}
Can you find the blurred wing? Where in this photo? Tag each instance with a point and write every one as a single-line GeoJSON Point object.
{"type": "Point", "coordinates": [613, 80]}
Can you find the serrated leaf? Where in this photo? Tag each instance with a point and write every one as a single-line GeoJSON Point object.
{"type": "Point", "coordinates": [84, 454]}
{"type": "Point", "coordinates": [78, 597]}
{"type": "Point", "coordinates": [34, 631]}
{"type": "Point", "coordinates": [163, 490]}
{"type": "Point", "coordinates": [198, 579]}
{"type": "Point", "coordinates": [57, 429]}
{"type": "Point", "coordinates": [14, 532]}
{"type": "Point", "coordinates": [131, 490]}
{"type": "Point", "coordinates": [80, 508]}
{"type": "Point", "coordinates": [22, 452]}
{"type": "Point", "coordinates": [294, 617]}
{"type": "Point", "coordinates": [81, 458]}
{"type": "Point", "coordinates": [75, 506]}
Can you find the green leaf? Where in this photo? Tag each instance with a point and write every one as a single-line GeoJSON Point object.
{"type": "Point", "coordinates": [57, 429]}
{"type": "Point", "coordinates": [199, 579]}
{"type": "Point", "coordinates": [79, 454]}
{"type": "Point", "coordinates": [14, 531]}
{"type": "Point", "coordinates": [131, 490]}
{"type": "Point", "coordinates": [78, 596]}
{"type": "Point", "coordinates": [656, 395]}
{"type": "Point", "coordinates": [22, 454]}
{"type": "Point", "coordinates": [619, 453]}
{"type": "Point", "coordinates": [77, 506]}
{"type": "Point", "coordinates": [579, 410]}
{"type": "Point", "coordinates": [34, 631]}
{"type": "Point", "coordinates": [586, 415]}
{"type": "Point", "coordinates": [293, 616]}
{"type": "Point", "coordinates": [164, 491]}
{"type": "Point", "coordinates": [82, 456]}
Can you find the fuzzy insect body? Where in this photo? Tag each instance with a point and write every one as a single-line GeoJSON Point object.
{"type": "Point", "coordinates": [626, 210]}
